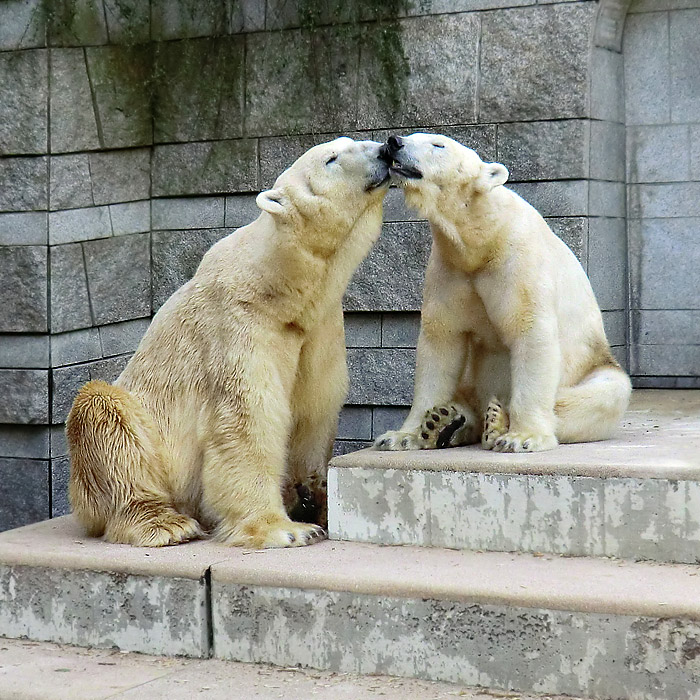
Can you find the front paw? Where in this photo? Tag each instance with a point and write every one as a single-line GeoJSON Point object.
{"type": "Point", "coordinates": [395, 440]}
{"type": "Point", "coordinates": [524, 442]}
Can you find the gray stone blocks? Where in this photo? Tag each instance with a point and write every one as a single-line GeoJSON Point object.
{"type": "Point", "coordinates": [391, 277]}
{"type": "Point", "coordinates": [607, 262]}
{"type": "Point", "coordinates": [75, 346]}
{"type": "Point", "coordinates": [23, 184]}
{"type": "Point", "coordinates": [25, 228]}
{"type": "Point", "coordinates": [205, 168]}
{"type": "Point", "coordinates": [24, 351]}
{"type": "Point", "coordinates": [363, 330]}
{"type": "Point", "coordinates": [381, 376]}
{"type": "Point", "coordinates": [69, 301]}
{"type": "Point", "coordinates": [23, 273]}
{"type": "Point", "coordinates": [573, 230]}
{"type": "Point", "coordinates": [24, 441]}
{"type": "Point", "coordinates": [74, 225]}
{"type": "Point", "coordinates": [557, 197]}
{"type": "Point", "coordinates": [24, 492]}
{"type": "Point", "coordinates": [25, 396]}
{"type": "Point", "coordinates": [121, 338]}
{"type": "Point", "coordinates": [355, 423]}
{"type": "Point", "coordinates": [433, 82]}
{"type": "Point", "coordinates": [23, 101]}
{"type": "Point", "coordinates": [660, 153]}
{"type": "Point", "coordinates": [400, 330]}
{"type": "Point", "coordinates": [22, 25]}
{"type": "Point", "coordinates": [188, 213]}
{"type": "Point", "coordinates": [534, 62]}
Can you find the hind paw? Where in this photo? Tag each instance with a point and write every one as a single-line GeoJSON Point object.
{"type": "Point", "coordinates": [167, 527]}
{"type": "Point", "coordinates": [395, 440]}
{"type": "Point", "coordinates": [524, 442]}
{"type": "Point", "coordinates": [496, 424]}
{"type": "Point", "coordinates": [447, 426]}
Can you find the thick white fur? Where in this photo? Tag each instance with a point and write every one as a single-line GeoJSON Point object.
{"type": "Point", "coordinates": [234, 393]}
{"type": "Point", "coordinates": [508, 314]}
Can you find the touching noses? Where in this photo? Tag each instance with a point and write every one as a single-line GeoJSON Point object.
{"type": "Point", "coordinates": [389, 150]}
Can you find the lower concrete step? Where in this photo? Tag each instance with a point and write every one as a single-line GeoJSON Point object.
{"type": "Point", "coordinates": [594, 628]}
{"type": "Point", "coordinates": [636, 497]}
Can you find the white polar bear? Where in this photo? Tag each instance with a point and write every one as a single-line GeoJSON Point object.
{"type": "Point", "coordinates": [512, 349]}
{"type": "Point", "coordinates": [232, 398]}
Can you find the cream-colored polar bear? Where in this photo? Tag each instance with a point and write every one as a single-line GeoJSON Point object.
{"type": "Point", "coordinates": [512, 349]}
{"type": "Point", "coordinates": [233, 395]}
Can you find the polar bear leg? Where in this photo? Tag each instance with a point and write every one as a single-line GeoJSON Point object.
{"type": "Point", "coordinates": [592, 409]}
{"type": "Point", "coordinates": [319, 392]}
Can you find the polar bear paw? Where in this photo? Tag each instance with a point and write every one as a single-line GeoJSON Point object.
{"type": "Point", "coordinates": [447, 426]}
{"type": "Point", "coordinates": [270, 532]}
{"type": "Point", "coordinates": [524, 442]}
{"type": "Point", "coordinates": [395, 440]}
{"type": "Point", "coordinates": [496, 424]}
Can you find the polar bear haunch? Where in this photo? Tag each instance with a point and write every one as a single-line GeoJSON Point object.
{"type": "Point", "coordinates": [231, 400]}
{"type": "Point", "coordinates": [512, 350]}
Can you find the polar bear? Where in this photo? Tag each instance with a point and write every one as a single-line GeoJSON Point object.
{"type": "Point", "coordinates": [512, 350]}
{"type": "Point", "coordinates": [232, 398]}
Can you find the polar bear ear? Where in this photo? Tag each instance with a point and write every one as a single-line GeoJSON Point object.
{"type": "Point", "coordinates": [491, 175]}
{"type": "Point", "coordinates": [273, 201]}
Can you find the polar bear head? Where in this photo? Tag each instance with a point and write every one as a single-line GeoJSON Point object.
{"type": "Point", "coordinates": [435, 170]}
{"type": "Point", "coordinates": [329, 188]}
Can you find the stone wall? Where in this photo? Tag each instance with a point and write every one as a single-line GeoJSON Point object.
{"type": "Point", "coordinates": [134, 134]}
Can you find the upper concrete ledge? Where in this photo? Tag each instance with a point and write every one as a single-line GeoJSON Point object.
{"type": "Point", "coordinates": [659, 439]}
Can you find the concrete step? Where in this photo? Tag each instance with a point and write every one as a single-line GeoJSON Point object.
{"type": "Point", "coordinates": [636, 497]}
{"type": "Point", "coordinates": [594, 628]}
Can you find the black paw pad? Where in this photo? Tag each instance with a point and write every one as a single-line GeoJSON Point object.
{"type": "Point", "coordinates": [445, 435]}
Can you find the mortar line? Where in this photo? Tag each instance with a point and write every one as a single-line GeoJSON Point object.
{"type": "Point", "coordinates": [208, 614]}
{"type": "Point", "coordinates": [95, 110]}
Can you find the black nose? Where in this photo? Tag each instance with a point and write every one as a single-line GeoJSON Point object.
{"type": "Point", "coordinates": [388, 151]}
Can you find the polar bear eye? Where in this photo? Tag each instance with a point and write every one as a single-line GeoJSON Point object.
{"type": "Point", "coordinates": [439, 145]}
{"type": "Point", "coordinates": [331, 160]}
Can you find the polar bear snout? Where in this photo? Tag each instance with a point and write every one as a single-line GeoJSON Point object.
{"type": "Point", "coordinates": [402, 164]}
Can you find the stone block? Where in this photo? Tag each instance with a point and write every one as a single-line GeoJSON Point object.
{"type": "Point", "coordinates": [240, 210]}
{"type": "Point", "coordinates": [381, 376]}
{"type": "Point", "coordinates": [23, 272]}
{"type": "Point", "coordinates": [391, 277]}
{"type": "Point", "coordinates": [363, 330]}
{"type": "Point", "coordinates": [666, 360]}
{"type": "Point", "coordinates": [24, 492]}
{"type": "Point", "coordinates": [659, 5]}
{"type": "Point", "coordinates": [176, 256]}
{"type": "Point", "coordinates": [419, 71]}
{"type": "Point", "coordinates": [77, 23]}
{"type": "Point", "coordinates": [694, 152]}
{"type": "Point", "coordinates": [667, 200]}
{"type": "Point", "coordinates": [607, 262]}
{"type": "Point", "coordinates": [192, 212]}
{"type": "Point", "coordinates": [69, 182]}
{"type": "Point", "coordinates": [128, 21]}
{"type": "Point", "coordinates": [662, 326]}
{"type": "Point", "coordinates": [557, 198]}
{"type": "Point", "coordinates": [182, 19]}
{"type": "Point", "coordinates": [119, 277]}
{"type": "Point", "coordinates": [121, 84]}
{"type": "Point", "coordinates": [121, 338]}
{"type": "Point", "coordinates": [607, 151]}
{"type": "Point", "coordinates": [120, 176]}
{"type": "Point", "coordinates": [247, 16]}
{"type": "Point", "coordinates": [69, 302]}
{"type": "Point", "coordinates": [23, 91]}
{"type": "Point", "coordinates": [395, 208]}
{"type": "Point", "coordinates": [24, 351]}
{"type": "Point", "coordinates": [24, 441]}
{"type": "Point", "coordinates": [355, 423]}
{"type": "Point", "coordinates": [615, 323]}
{"type": "Point", "coordinates": [75, 346]}
{"type": "Point", "coordinates": [607, 85]}
{"type": "Point", "coordinates": [387, 418]}
{"type": "Point", "coordinates": [22, 25]}
{"type": "Point", "coordinates": [573, 230]}
{"type": "Point", "coordinates": [60, 474]}
{"type": "Point", "coordinates": [647, 69]}
{"type": "Point", "coordinates": [205, 168]}
{"type": "Point", "coordinates": [534, 62]}
{"type": "Point", "coordinates": [658, 153]}
{"type": "Point", "coordinates": [59, 443]}
{"type": "Point", "coordinates": [24, 396]}
{"type": "Point", "coordinates": [555, 150]}
{"type": "Point", "coordinates": [315, 77]}
{"type": "Point", "coordinates": [23, 184]}
{"type": "Point", "coordinates": [400, 330]}
{"type": "Point", "coordinates": [344, 447]}
{"type": "Point", "coordinates": [26, 228]}
{"type": "Point", "coordinates": [419, 7]}
{"type": "Point", "coordinates": [684, 59]}
{"type": "Point", "coordinates": [130, 217]}
{"type": "Point", "coordinates": [200, 96]}
{"type": "Point", "coordinates": [606, 198]}
{"type": "Point", "coordinates": [66, 381]}
{"type": "Point", "coordinates": [665, 273]}
{"type": "Point", "coordinates": [394, 508]}
{"type": "Point", "coordinates": [73, 125]}
{"type": "Point", "coordinates": [74, 225]}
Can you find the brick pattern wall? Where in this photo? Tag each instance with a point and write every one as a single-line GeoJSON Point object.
{"type": "Point", "coordinates": [131, 141]}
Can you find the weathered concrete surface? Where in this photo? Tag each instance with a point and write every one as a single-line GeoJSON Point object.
{"type": "Point", "coordinates": [32, 671]}
{"type": "Point", "coordinates": [637, 496]}
{"type": "Point", "coordinates": [597, 628]}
